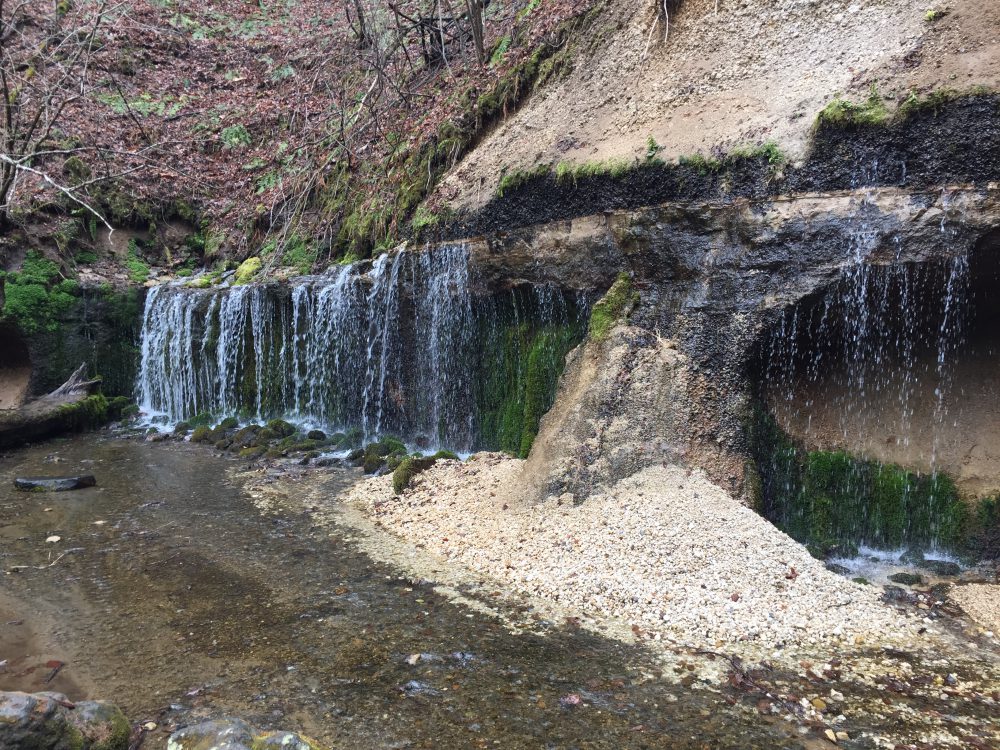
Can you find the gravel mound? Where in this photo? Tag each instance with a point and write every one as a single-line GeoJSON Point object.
{"type": "Point", "coordinates": [981, 601]}
{"type": "Point", "coordinates": [665, 550]}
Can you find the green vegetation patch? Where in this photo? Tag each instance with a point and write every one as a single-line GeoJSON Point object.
{"type": "Point", "coordinates": [247, 270]}
{"type": "Point", "coordinates": [614, 306]}
{"type": "Point", "coordinates": [841, 113]}
{"type": "Point", "coordinates": [36, 298]}
{"type": "Point", "coordinates": [520, 373]}
{"type": "Point", "coordinates": [831, 500]}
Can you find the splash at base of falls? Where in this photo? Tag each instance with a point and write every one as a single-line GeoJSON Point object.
{"type": "Point", "coordinates": [397, 346]}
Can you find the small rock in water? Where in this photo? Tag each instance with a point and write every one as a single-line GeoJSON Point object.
{"type": "Point", "coordinates": [895, 594]}
{"type": "Point", "coordinates": [907, 579]}
{"type": "Point", "coordinates": [941, 567]}
{"type": "Point", "coordinates": [840, 570]}
{"type": "Point", "coordinates": [54, 484]}
{"type": "Point", "coordinates": [415, 687]}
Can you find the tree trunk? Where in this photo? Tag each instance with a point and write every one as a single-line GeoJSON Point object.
{"type": "Point", "coordinates": [475, 8]}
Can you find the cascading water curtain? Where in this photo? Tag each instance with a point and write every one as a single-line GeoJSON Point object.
{"type": "Point", "coordinates": [393, 346]}
{"type": "Point", "coordinates": [867, 351]}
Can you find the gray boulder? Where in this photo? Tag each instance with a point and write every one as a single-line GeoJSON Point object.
{"type": "Point", "coordinates": [50, 721]}
{"type": "Point", "coordinates": [54, 484]}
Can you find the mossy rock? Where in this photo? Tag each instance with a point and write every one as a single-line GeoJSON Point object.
{"type": "Point", "coordinates": [247, 436]}
{"type": "Point", "coordinates": [247, 270]}
{"type": "Point", "coordinates": [303, 446]}
{"type": "Point", "coordinates": [372, 463]}
{"type": "Point", "coordinates": [201, 419]}
{"type": "Point", "coordinates": [317, 435]}
{"type": "Point", "coordinates": [907, 579]}
{"type": "Point", "coordinates": [182, 428]}
{"type": "Point", "coordinates": [102, 725]}
{"type": "Point", "coordinates": [446, 456]}
{"type": "Point", "coordinates": [252, 453]}
{"type": "Point", "coordinates": [408, 469]}
{"type": "Point", "coordinates": [614, 306]}
{"type": "Point", "coordinates": [229, 423]}
{"type": "Point", "coordinates": [275, 453]}
{"type": "Point", "coordinates": [120, 407]}
{"type": "Point", "coordinates": [224, 444]}
{"type": "Point", "coordinates": [352, 438]}
{"type": "Point", "coordinates": [266, 435]}
{"type": "Point", "coordinates": [201, 434]}
{"type": "Point", "coordinates": [356, 456]}
{"type": "Point", "coordinates": [281, 428]}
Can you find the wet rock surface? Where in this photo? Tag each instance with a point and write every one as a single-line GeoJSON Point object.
{"type": "Point", "coordinates": [55, 484]}
{"type": "Point", "coordinates": [236, 734]}
{"type": "Point", "coordinates": [50, 721]}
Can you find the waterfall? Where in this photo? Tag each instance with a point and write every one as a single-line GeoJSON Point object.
{"type": "Point", "coordinates": [393, 346]}
{"type": "Point", "coordinates": [861, 376]}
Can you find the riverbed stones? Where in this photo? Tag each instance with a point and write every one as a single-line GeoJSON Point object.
{"type": "Point", "coordinates": [55, 484]}
{"type": "Point", "coordinates": [50, 721]}
{"type": "Point", "coordinates": [236, 734]}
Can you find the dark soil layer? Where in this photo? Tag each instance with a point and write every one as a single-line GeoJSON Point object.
{"type": "Point", "coordinates": [955, 141]}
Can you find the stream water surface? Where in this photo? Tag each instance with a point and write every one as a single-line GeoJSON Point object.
{"type": "Point", "coordinates": [171, 593]}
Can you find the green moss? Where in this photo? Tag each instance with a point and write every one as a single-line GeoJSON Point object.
{"type": "Point", "coordinates": [37, 298]}
{"type": "Point", "coordinates": [201, 434]}
{"type": "Point", "coordinates": [519, 374]}
{"type": "Point", "coordinates": [138, 269]}
{"type": "Point", "coordinates": [615, 305]}
{"type": "Point", "coordinates": [299, 253]}
{"type": "Point", "coordinates": [841, 113]}
{"type": "Point", "coordinates": [247, 270]}
{"type": "Point", "coordinates": [512, 180]}
{"type": "Point", "coordinates": [833, 500]}
{"type": "Point", "coordinates": [408, 468]}
{"type": "Point", "coordinates": [445, 455]}
{"type": "Point", "coordinates": [229, 423]}
{"type": "Point", "coordinates": [281, 428]}
{"type": "Point", "coordinates": [86, 414]}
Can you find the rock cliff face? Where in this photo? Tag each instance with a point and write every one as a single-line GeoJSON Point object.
{"type": "Point", "coordinates": [675, 380]}
{"type": "Point", "coordinates": [717, 265]}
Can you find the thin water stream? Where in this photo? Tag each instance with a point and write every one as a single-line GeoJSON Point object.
{"type": "Point", "coordinates": [172, 594]}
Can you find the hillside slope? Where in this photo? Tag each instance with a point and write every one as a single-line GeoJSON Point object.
{"type": "Point", "coordinates": [732, 73]}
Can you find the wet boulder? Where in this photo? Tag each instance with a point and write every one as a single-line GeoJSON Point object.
{"type": "Point", "coordinates": [50, 721]}
{"type": "Point", "coordinates": [907, 579]}
{"type": "Point", "coordinates": [940, 567]}
{"type": "Point", "coordinates": [55, 484]}
{"type": "Point", "coordinates": [236, 734]}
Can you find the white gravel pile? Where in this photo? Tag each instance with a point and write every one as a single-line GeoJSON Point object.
{"type": "Point", "coordinates": [666, 550]}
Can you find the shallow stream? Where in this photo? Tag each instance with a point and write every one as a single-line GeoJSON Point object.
{"type": "Point", "coordinates": [173, 595]}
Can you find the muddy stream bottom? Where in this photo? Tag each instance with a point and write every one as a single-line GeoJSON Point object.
{"type": "Point", "coordinates": [171, 594]}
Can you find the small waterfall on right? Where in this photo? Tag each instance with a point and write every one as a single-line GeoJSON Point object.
{"type": "Point", "coordinates": [870, 427]}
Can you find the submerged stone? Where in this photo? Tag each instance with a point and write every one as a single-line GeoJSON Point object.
{"type": "Point", "coordinates": [52, 722]}
{"type": "Point", "coordinates": [941, 567]}
{"type": "Point", "coordinates": [907, 579]}
{"type": "Point", "coordinates": [236, 734]}
{"type": "Point", "coordinates": [54, 484]}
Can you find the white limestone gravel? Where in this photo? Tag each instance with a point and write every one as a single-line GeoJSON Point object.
{"type": "Point", "coordinates": [666, 550]}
